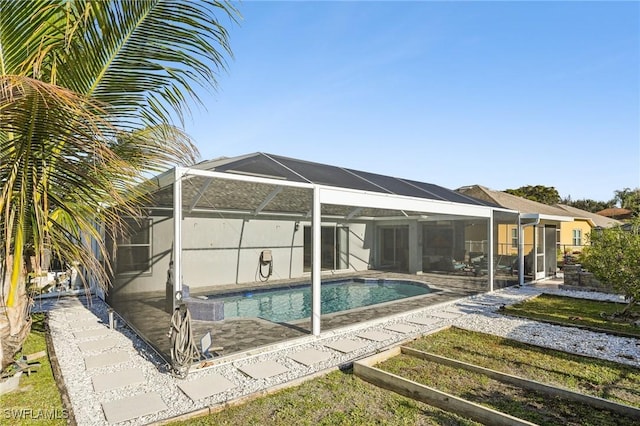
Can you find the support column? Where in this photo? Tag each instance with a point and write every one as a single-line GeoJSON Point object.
{"type": "Point", "coordinates": [490, 266]}
{"type": "Point", "coordinates": [177, 233]}
{"type": "Point", "coordinates": [316, 247]}
{"type": "Point", "coordinates": [520, 252]}
{"type": "Point", "coordinates": [415, 248]}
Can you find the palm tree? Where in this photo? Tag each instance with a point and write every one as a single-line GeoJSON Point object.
{"type": "Point", "coordinates": [89, 93]}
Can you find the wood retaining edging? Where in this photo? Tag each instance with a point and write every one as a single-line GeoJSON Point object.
{"type": "Point", "coordinates": [528, 384]}
{"type": "Point", "coordinates": [428, 395]}
{"type": "Point", "coordinates": [365, 370]}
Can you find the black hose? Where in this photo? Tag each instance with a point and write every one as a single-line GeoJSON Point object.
{"type": "Point", "coordinates": [265, 277]}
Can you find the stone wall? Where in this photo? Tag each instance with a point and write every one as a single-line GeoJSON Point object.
{"type": "Point", "coordinates": [575, 276]}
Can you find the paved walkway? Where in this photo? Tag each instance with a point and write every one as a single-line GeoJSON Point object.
{"type": "Point", "coordinates": [112, 377]}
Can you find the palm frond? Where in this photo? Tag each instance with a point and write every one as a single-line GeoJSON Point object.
{"type": "Point", "coordinates": [87, 89]}
{"type": "Point", "coordinates": [129, 55]}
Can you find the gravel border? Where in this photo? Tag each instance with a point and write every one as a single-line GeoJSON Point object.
{"type": "Point", "coordinates": [478, 313]}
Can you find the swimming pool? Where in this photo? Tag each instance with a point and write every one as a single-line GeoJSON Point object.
{"type": "Point", "coordinates": [285, 304]}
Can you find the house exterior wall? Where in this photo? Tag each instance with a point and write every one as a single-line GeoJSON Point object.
{"type": "Point", "coordinates": [154, 280]}
{"type": "Point", "coordinates": [218, 251]}
{"type": "Point", "coordinates": [566, 234]}
{"type": "Point", "coordinates": [505, 243]}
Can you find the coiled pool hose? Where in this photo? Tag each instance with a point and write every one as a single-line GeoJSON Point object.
{"type": "Point", "coordinates": [183, 348]}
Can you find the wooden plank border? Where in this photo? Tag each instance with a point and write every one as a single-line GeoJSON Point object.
{"type": "Point", "coordinates": [527, 384]}
{"type": "Point", "coordinates": [431, 396]}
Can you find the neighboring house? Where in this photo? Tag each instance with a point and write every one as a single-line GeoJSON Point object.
{"type": "Point", "coordinates": [574, 235]}
{"type": "Point", "coordinates": [539, 226]}
{"type": "Point", "coordinates": [616, 213]}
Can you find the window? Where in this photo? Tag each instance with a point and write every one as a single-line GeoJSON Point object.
{"type": "Point", "coordinates": [133, 253]}
{"type": "Point", "coordinates": [514, 238]}
{"type": "Point", "coordinates": [334, 248]}
{"type": "Point", "coordinates": [577, 237]}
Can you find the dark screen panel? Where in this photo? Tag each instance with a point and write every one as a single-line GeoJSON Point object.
{"type": "Point", "coordinates": [396, 186]}
{"type": "Point", "coordinates": [260, 165]}
{"type": "Point", "coordinates": [448, 194]}
{"type": "Point", "coordinates": [295, 170]}
{"type": "Point", "coordinates": [324, 174]}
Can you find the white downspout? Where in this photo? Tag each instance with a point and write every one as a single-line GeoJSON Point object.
{"type": "Point", "coordinates": [315, 262]}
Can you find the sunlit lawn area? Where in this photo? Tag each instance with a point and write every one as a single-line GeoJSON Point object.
{"type": "Point", "coordinates": [575, 312]}
{"type": "Point", "coordinates": [601, 378]}
{"type": "Point", "coordinates": [38, 398]}
{"type": "Point", "coordinates": [338, 398]}
{"type": "Point", "coordinates": [604, 379]}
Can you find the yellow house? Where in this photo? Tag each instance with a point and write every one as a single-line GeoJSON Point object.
{"type": "Point", "coordinates": [547, 232]}
{"type": "Point", "coordinates": [574, 235]}
{"type": "Point", "coordinates": [534, 240]}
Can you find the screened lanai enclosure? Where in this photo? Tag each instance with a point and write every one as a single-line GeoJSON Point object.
{"type": "Point", "coordinates": [263, 248]}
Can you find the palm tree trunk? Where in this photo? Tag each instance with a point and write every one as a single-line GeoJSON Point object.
{"type": "Point", "coordinates": [15, 321]}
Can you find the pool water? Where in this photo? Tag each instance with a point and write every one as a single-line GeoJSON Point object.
{"type": "Point", "coordinates": [294, 302]}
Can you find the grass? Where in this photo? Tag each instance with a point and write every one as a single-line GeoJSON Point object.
{"type": "Point", "coordinates": [596, 377]}
{"type": "Point", "coordinates": [574, 312]}
{"type": "Point", "coordinates": [37, 398]}
{"type": "Point", "coordinates": [533, 406]}
{"type": "Point", "coordinates": [338, 398]}
{"type": "Point", "coordinates": [343, 399]}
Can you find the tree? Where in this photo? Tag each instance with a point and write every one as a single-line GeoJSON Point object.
{"type": "Point", "coordinates": [88, 90]}
{"type": "Point", "coordinates": [613, 258]}
{"type": "Point", "coordinates": [541, 194]}
{"type": "Point", "coordinates": [588, 205]}
{"type": "Point", "coordinates": [629, 199]}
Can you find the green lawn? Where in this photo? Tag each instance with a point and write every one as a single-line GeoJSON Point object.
{"type": "Point", "coordinates": [37, 400]}
{"type": "Point", "coordinates": [338, 398]}
{"type": "Point", "coordinates": [534, 406]}
{"type": "Point", "coordinates": [601, 378]}
{"type": "Point", "coordinates": [574, 312]}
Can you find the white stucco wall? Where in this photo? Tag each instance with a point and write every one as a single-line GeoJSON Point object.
{"type": "Point", "coordinates": [219, 251]}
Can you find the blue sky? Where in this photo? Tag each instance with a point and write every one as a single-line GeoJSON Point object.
{"type": "Point", "coordinates": [502, 94]}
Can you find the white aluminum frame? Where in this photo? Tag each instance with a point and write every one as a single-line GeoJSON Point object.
{"type": "Point", "coordinates": [321, 195]}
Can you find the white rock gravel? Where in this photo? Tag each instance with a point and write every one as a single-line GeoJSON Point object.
{"type": "Point", "coordinates": [478, 313]}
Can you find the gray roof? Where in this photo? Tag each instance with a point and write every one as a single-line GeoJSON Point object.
{"type": "Point", "coordinates": [512, 202]}
{"type": "Point", "coordinates": [598, 220]}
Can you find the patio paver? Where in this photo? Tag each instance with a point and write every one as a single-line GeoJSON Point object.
{"type": "Point", "coordinates": [206, 386]}
{"type": "Point", "coordinates": [402, 328]}
{"type": "Point", "coordinates": [445, 314]}
{"type": "Point", "coordinates": [424, 320]}
{"type": "Point", "coordinates": [346, 345]}
{"type": "Point", "coordinates": [118, 379]}
{"type": "Point", "coordinates": [85, 324]}
{"type": "Point", "coordinates": [310, 356]}
{"type": "Point", "coordinates": [94, 332]}
{"type": "Point", "coordinates": [264, 369]}
{"type": "Point", "coordinates": [378, 336]}
{"type": "Point", "coordinates": [98, 345]}
{"type": "Point", "coordinates": [132, 407]}
{"type": "Point", "coordinates": [103, 360]}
